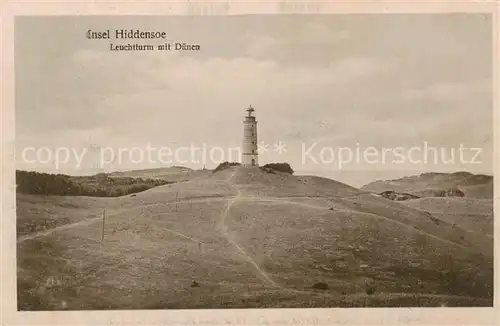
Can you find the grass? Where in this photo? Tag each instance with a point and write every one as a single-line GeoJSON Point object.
{"type": "Point", "coordinates": [332, 247]}
{"type": "Point", "coordinates": [472, 214]}
{"type": "Point", "coordinates": [157, 243]}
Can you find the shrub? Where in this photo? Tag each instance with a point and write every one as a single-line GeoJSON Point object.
{"type": "Point", "coordinates": [320, 286]}
{"type": "Point", "coordinates": [268, 170]}
{"type": "Point", "coordinates": [278, 167]}
{"type": "Point", "coordinates": [99, 185]}
{"type": "Point", "coordinates": [450, 192]}
{"type": "Point", "coordinates": [225, 165]}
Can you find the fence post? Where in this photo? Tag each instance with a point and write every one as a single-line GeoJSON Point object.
{"type": "Point", "coordinates": [103, 219]}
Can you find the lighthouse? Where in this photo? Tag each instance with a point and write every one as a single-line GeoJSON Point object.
{"type": "Point", "coordinates": [249, 154]}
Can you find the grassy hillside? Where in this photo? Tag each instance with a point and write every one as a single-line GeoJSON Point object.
{"type": "Point", "coordinates": [471, 214]}
{"type": "Point", "coordinates": [248, 239]}
{"type": "Point", "coordinates": [37, 213]}
{"type": "Point", "coordinates": [434, 184]}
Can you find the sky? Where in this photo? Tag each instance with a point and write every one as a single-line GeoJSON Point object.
{"type": "Point", "coordinates": [317, 83]}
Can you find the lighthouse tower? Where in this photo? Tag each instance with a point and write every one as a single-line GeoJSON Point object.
{"type": "Point", "coordinates": [250, 155]}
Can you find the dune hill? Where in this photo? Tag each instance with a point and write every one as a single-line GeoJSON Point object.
{"type": "Point", "coordinates": [258, 183]}
{"type": "Point", "coordinates": [249, 239]}
{"type": "Point", "coordinates": [460, 199]}
{"type": "Point", "coordinates": [429, 184]}
{"type": "Point", "coordinates": [471, 214]}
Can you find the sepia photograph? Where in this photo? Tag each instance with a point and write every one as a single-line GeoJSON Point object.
{"type": "Point", "coordinates": [254, 161]}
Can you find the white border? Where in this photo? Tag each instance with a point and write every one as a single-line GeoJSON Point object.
{"type": "Point", "coordinates": [358, 316]}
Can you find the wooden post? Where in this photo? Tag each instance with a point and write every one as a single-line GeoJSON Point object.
{"type": "Point", "coordinates": [176, 197]}
{"type": "Point", "coordinates": [103, 219]}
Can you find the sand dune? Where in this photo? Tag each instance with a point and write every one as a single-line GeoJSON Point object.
{"type": "Point", "coordinates": [424, 185]}
{"type": "Point", "coordinates": [250, 239]}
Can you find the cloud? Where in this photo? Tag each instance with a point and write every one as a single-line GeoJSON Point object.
{"type": "Point", "coordinates": [259, 45]}
{"type": "Point", "coordinates": [450, 91]}
{"type": "Point", "coordinates": [342, 82]}
{"type": "Point", "coordinates": [310, 36]}
{"type": "Point", "coordinates": [157, 97]}
{"type": "Point", "coordinates": [167, 97]}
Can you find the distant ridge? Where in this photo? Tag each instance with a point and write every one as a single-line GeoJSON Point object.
{"type": "Point", "coordinates": [170, 169]}
{"type": "Point", "coordinates": [172, 173]}
{"type": "Point", "coordinates": [433, 184]}
{"type": "Point", "coordinates": [99, 185]}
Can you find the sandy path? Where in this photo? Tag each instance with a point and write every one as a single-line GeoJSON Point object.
{"type": "Point", "coordinates": [59, 228]}
{"type": "Point", "coordinates": [278, 201]}
{"type": "Point", "coordinates": [232, 200]}
{"type": "Point", "coordinates": [224, 230]}
{"type": "Point", "coordinates": [182, 235]}
{"type": "Point", "coordinates": [223, 227]}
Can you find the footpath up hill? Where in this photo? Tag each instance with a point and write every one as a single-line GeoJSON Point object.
{"type": "Point", "coordinates": [336, 234]}
{"type": "Point", "coordinates": [249, 239]}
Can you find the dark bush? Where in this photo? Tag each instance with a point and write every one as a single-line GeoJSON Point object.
{"type": "Point", "coordinates": [99, 185]}
{"type": "Point", "coordinates": [451, 192]}
{"type": "Point", "coordinates": [279, 167]}
{"type": "Point", "coordinates": [370, 290]}
{"type": "Point", "coordinates": [225, 165]}
{"type": "Point", "coordinates": [268, 170]}
{"type": "Point", "coordinates": [320, 286]}
{"type": "Point", "coordinates": [454, 192]}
